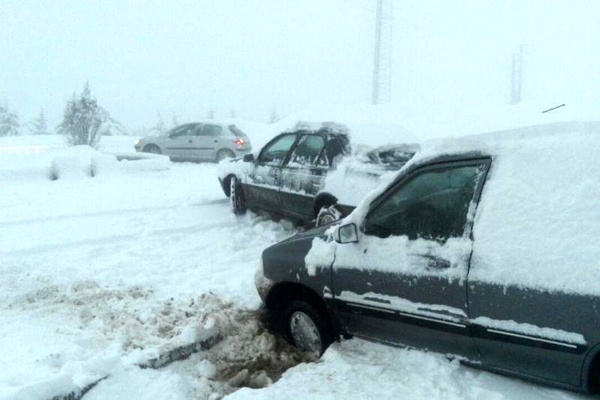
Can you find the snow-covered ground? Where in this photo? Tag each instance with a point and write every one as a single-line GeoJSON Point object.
{"type": "Point", "coordinates": [98, 273]}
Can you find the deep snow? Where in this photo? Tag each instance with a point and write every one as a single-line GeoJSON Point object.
{"type": "Point", "coordinates": [99, 273]}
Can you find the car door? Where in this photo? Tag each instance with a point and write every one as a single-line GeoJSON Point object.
{"type": "Point", "coordinates": [208, 140]}
{"type": "Point", "coordinates": [404, 282]}
{"type": "Point", "coordinates": [303, 175]}
{"type": "Point", "coordinates": [261, 187]}
{"type": "Point", "coordinates": [180, 141]}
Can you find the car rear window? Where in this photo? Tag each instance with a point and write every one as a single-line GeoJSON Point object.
{"type": "Point", "coordinates": [236, 131]}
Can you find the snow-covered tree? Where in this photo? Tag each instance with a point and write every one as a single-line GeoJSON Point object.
{"type": "Point", "coordinates": [113, 127]}
{"type": "Point", "coordinates": [83, 120]}
{"type": "Point", "coordinates": [39, 126]}
{"type": "Point", "coordinates": [9, 121]}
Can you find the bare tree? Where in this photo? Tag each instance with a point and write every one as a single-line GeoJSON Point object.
{"type": "Point", "coordinates": [274, 117]}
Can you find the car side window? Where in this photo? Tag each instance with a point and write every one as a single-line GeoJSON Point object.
{"type": "Point", "coordinates": [275, 152]}
{"type": "Point", "coordinates": [183, 130]}
{"type": "Point", "coordinates": [308, 150]}
{"type": "Point", "coordinates": [211, 130]}
{"type": "Point", "coordinates": [433, 205]}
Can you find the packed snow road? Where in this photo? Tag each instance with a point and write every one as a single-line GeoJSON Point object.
{"type": "Point", "coordinates": [99, 273]}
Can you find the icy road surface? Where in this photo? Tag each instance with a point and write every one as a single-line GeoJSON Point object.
{"type": "Point", "coordinates": [98, 272]}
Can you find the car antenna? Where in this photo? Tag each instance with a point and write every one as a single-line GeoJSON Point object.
{"type": "Point", "coordinates": [553, 108]}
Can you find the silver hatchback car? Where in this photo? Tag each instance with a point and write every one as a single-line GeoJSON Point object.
{"type": "Point", "coordinates": [198, 141]}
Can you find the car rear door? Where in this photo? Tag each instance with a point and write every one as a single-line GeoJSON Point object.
{"type": "Point", "coordinates": [303, 175]}
{"type": "Point", "coordinates": [261, 186]}
{"type": "Point", "coordinates": [405, 281]}
{"type": "Point", "coordinates": [208, 141]}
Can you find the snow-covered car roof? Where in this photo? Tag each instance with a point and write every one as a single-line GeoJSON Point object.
{"type": "Point", "coordinates": [538, 216]}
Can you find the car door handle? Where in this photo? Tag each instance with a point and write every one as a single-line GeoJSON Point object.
{"type": "Point", "coordinates": [216, 141]}
{"type": "Point", "coordinates": [190, 141]}
{"type": "Point", "coordinates": [436, 262]}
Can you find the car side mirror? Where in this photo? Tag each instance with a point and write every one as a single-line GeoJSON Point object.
{"type": "Point", "coordinates": [248, 157]}
{"type": "Point", "coordinates": [347, 233]}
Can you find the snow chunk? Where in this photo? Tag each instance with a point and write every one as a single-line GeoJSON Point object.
{"type": "Point", "coordinates": [321, 254]}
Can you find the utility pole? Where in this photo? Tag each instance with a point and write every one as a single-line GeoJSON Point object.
{"type": "Point", "coordinates": [382, 63]}
{"type": "Point", "coordinates": [516, 86]}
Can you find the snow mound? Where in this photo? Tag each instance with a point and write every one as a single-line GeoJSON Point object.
{"type": "Point", "coordinates": [83, 161]}
{"type": "Point", "coordinates": [74, 163]}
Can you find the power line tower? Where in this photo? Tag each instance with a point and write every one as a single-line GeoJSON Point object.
{"type": "Point", "coordinates": [382, 65]}
{"type": "Point", "coordinates": [516, 84]}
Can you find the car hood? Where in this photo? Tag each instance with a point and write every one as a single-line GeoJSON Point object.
{"type": "Point", "coordinates": [310, 234]}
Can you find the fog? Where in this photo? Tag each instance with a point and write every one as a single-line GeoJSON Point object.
{"type": "Point", "coordinates": [184, 58]}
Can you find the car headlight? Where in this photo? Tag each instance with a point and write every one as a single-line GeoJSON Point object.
{"type": "Point", "coordinates": [263, 284]}
{"type": "Point", "coordinates": [137, 142]}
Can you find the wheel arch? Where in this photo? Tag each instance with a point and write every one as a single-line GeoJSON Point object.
{"type": "Point", "coordinates": [152, 144]}
{"type": "Point", "coordinates": [224, 149]}
{"type": "Point", "coordinates": [282, 294]}
{"type": "Point", "coordinates": [591, 370]}
{"type": "Point", "coordinates": [227, 183]}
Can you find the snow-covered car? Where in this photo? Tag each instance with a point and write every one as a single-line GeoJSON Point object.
{"type": "Point", "coordinates": [308, 174]}
{"type": "Point", "coordinates": [485, 248]}
{"type": "Point", "coordinates": [198, 141]}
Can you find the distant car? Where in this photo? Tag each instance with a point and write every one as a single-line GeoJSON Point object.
{"type": "Point", "coordinates": [485, 248]}
{"type": "Point", "coordinates": [198, 141]}
{"type": "Point", "coordinates": [302, 174]}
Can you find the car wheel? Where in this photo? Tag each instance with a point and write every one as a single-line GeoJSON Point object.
{"type": "Point", "coordinates": [224, 153]}
{"type": "Point", "coordinates": [307, 328]}
{"type": "Point", "coordinates": [328, 215]}
{"type": "Point", "coordinates": [236, 196]}
{"type": "Point", "coordinates": [152, 148]}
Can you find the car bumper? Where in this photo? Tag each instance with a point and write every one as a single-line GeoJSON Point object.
{"type": "Point", "coordinates": [263, 284]}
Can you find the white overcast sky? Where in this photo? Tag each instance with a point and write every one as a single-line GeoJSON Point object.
{"type": "Point", "coordinates": [186, 57]}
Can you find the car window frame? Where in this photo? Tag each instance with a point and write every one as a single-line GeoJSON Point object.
{"type": "Point", "coordinates": [204, 125]}
{"type": "Point", "coordinates": [276, 138]}
{"type": "Point", "coordinates": [180, 127]}
{"type": "Point", "coordinates": [295, 146]}
{"type": "Point", "coordinates": [484, 161]}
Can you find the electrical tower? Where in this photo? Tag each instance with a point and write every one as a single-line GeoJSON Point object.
{"type": "Point", "coordinates": [516, 84]}
{"type": "Point", "coordinates": [382, 65]}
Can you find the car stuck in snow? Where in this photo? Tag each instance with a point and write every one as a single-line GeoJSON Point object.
{"type": "Point", "coordinates": [309, 173]}
{"type": "Point", "coordinates": [483, 247]}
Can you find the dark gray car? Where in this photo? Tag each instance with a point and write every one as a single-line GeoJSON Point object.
{"type": "Point", "coordinates": [443, 290]}
{"type": "Point", "coordinates": [289, 176]}
{"type": "Point", "coordinates": [198, 141]}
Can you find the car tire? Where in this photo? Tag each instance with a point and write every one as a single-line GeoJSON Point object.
{"type": "Point", "coordinates": [224, 153]}
{"type": "Point", "coordinates": [152, 148]}
{"type": "Point", "coordinates": [328, 215]}
{"type": "Point", "coordinates": [307, 328]}
{"type": "Point", "coordinates": [236, 196]}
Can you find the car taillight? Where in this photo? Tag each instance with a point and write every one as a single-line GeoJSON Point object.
{"type": "Point", "coordinates": [239, 142]}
